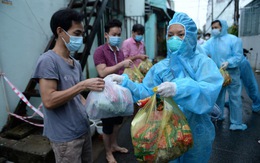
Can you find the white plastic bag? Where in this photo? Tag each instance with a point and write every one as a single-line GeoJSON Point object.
{"type": "Point", "coordinates": [114, 101]}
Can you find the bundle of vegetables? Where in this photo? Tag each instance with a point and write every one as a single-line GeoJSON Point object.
{"type": "Point", "coordinates": [226, 76]}
{"type": "Point", "coordinates": [160, 134]}
{"type": "Point", "coordinates": [159, 103]}
{"type": "Point", "coordinates": [114, 101]}
{"type": "Point", "coordinates": [144, 66]}
{"type": "Point", "coordinates": [134, 74]}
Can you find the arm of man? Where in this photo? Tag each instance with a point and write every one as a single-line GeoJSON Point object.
{"type": "Point", "coordinates": [103, 70]}
{"type": "Point", "coordinates": [52, 98]}
{"type": "Point", "coordinates": [83, 100]}
{"type": "Point", "coordinates": [138, 56]}
{"type": "Point", "coordinates": [237, 53]}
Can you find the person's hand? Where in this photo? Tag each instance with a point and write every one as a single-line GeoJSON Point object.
{"type": "Point", "coordinates": [127, 63]}
{"type": "Point", "coordinates": [224, 65]}
{"type": "Point", "coordinates": [143, 56]}
{"type": "Point", "coordinates": [167, 89]}
{"type": "Point", "coordinates": [116, 78]}
{"type": "Point", "coordinates": [93, 84]}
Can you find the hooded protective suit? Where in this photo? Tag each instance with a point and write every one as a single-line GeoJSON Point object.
{"type": "Point", "coordinates": [198, 83]}
{"type": "Point", "coordinates": [228, 48]}
{"type": "Point", "coordinates": [250, 83]}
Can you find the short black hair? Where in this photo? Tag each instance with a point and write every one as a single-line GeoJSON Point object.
{"type": "Point", "coordinates": [63, 18]}
{"type": "Point", "coordinates": [112, 23]}
{"type": "Point", "coordinates": [138, 28]}
{"type": "Point", "coordinates": [216, 21]}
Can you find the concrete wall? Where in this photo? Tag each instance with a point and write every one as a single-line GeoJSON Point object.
{"type": "Point", "coordinates": [151, 36]}
{"type": "Point", "coordinates": [25, 33]}
{"type": "Point", "coordinates": [251, 42]}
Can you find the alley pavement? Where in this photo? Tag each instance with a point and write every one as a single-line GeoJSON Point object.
{"type": "Point", "coordinates": [229, 146]}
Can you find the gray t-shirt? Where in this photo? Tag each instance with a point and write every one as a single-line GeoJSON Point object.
{"type": "Point", "coordinates": [69, 121]}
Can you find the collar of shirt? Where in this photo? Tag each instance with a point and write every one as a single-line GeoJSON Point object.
{"type": "Point", "coordinates": [117, 49]}
{"type": "Point", "coordinates": [115, 54]}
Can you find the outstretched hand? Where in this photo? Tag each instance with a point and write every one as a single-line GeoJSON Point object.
{"type": "Point", "coordinates": [127, 62]}
{"type": "Point", "coordinates": [143, 56]}
{"type": "Point", "coordinates": [94, 84]}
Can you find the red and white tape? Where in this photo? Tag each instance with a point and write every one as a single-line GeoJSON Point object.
{"type": "Point", "coordinates": [24, 99]}
{"type": "Point", "coordinates": [24, 119]}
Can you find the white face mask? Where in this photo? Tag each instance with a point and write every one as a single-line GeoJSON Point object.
{"type": "Point", "coordinates": [215, 32]}
{"type": "Point", "coordinates": [207, 37]}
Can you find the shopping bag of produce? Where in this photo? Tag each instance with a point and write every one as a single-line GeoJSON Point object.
{"type": "Point", "coordinates": [145, 66]}
{"type": "Point", "coordinates": [113, 101]}
{"type": "Point", "coordinates": [160, 131]}
{"type": "Point", "coordinates": [134, 74]}
{"type": "Point", "coordinates": [226, 76]}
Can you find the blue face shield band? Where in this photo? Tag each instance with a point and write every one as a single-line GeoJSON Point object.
{"type": "Point", "coordinates": [74, 43]}
{"type": "Point", "coordinates": [174, 43]}
{"type": "Point", "coordinates": [138, 38]}
{"type": "Point", "coordinates": [114, 40]}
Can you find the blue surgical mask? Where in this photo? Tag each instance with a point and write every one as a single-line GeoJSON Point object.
{"type": "Point", "coordinates": [174, 43]}
{"type": "Point", "coordinates": [75, 42]}
{"type": "Point", "coordinates": [138, 38]}
{"type": "Point", "coordinates": [114, 40]}
{"type": "Point", "coordinates": [215, 32]}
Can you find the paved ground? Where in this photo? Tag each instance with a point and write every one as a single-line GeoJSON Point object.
{"type": "Point", "coordinates": [229, 146]}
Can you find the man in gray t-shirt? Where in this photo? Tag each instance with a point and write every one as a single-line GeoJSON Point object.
{"type": "Point", "coordinates": [60, 79]}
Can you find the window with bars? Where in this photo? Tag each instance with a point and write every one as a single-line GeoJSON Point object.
{"type": "Point", "coordinates": [250, 19]}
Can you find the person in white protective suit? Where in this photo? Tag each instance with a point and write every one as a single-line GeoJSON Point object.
{"type": "Point", "coordinates": [190, 78]}
{"type": "Point", "coordinates": [227, 52]}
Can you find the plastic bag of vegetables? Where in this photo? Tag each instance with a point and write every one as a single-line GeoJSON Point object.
{"type": "Point", "coordinates": [160, 131]}
{"type": "Point", "coordinates": [144, 66]}
{"type": "Point", "coordinates": [134, 74]}
{"type": "Point", "coordinates": [113, 101]}
{"type": "Point", "coordinates": [226, 76]}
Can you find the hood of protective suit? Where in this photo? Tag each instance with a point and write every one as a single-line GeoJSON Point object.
{"type": "Point", "coordinates": [178, 60]}
{"type": "Point", "coordinates": [188, 46]}
{"type": "Point", "coordinates": [224, 28]}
